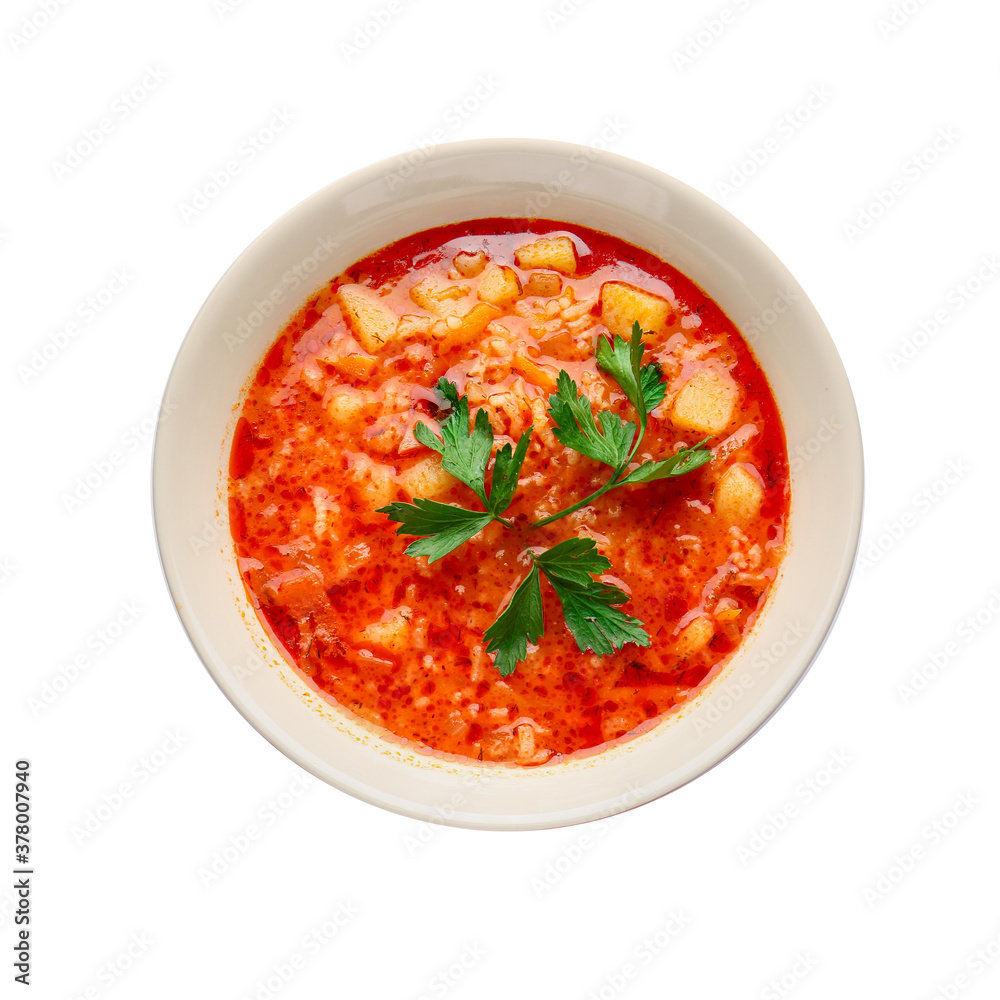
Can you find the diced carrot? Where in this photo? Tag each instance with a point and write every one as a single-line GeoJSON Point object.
{"type": "Point", "coordinates": [355, 366]}
{"type": "Point", "coordinates": [534, 373]}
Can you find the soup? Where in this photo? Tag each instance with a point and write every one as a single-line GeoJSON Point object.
{"type": "Point", "coordinates": [346, 427]}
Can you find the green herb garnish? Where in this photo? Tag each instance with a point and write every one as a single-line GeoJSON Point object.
{"type": "Point", "coordinates": [465, 454]}
{"type": "Point", "coordinates": [616, 441]}
{"type": "Point", "coordinates": [445, 526]}
{"type": "Point", "coordinates": [589, 606]}
{"type": "Point", "coordinates": [519, 623]}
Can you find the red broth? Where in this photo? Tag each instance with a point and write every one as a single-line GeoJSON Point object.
{"type": "Point", "coordinates": [499, 306]}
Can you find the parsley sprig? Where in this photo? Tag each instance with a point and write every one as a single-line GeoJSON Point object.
{"type": "Point", "coordinates": [590, 606]}
{"type": "Point", "coordinates": [465, 453]}
{"type": "Point", "coordinates": [615, 441]}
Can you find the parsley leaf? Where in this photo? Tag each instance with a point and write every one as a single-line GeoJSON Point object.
{"type": "Point", "coordinates": [575, 427]}
{"type": "Point", "coordinates": [685, 460]}
{"type": "Point", "coordinates": [450, 392]}
{"type": "Point", "coordinates": [520, 623]}
{"type": "Point", "coordinates": [617, 441]}
{"type": "Point", "coordinates": [465, 453]}
{"type": "Point", "coordinates": [446, 526]}
{"type": "Point", "coordinates": [642, 383]}
{"type": "Point", "coordinates": [590, 607]}
{"type": "Point", "coordinates": [653, 386]}
{"type": "Point", "coordinates": [506, 472]}
{"type": "Point", "coordinates": [622, 359]}
{"type": "Point", "coordinates": [573, 560]}
{"type": "Point", "coordinates": [588, 604]}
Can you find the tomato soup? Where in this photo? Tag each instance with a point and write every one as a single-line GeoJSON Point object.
{"type": "Point", "coordinates": [499, 307]}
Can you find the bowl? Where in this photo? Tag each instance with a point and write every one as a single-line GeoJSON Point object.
{"type": "Point", "coordinates": [510, 177]}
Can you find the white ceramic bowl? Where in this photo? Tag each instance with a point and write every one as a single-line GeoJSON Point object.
{"type": "Point", "coordinates": [511, 177]}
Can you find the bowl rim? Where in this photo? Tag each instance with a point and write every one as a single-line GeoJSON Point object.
{"type": "Point", "coordinates": [839, 581]}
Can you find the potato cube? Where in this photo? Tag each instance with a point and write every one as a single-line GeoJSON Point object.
{"type": "Point", "coordinates": [373, 481]}
{"type": "Point", "coordinates": [557, 254]}
{"type": "Point", "coordinates": [619, 723]}
{"type": "Point", "coordinates": [440, 297]}
{"type": "Point", "coordinates": [345, 405]}
{"type": "Point", "coordinates": [524, 737]}
{"type": "Point", "coordinates": [377, 491]}
{"type": "Point", "coordinates": [623, 304]}
{"type": "Point", "coordinates": [500, 286]}
{"type": "Point", "coordinates": [370, 319]}
{"type": "Point", "coordinates": [705, 402]}
{"type": "Point", "coordinates": [543, 284]}
{"type": "Point", "coordinates": [292, 588]}
{"type": "Point", "coordinates": [392, 633]}
{"type": "Point", "coordinates": [426, 478]}
{"type": "Point", "coordinates": [470, 264]}
{"type": "Point", "coordinates": [738, 495]}
{"type": "Point", "coordinates": [412, 325]}
{"type": "Point", "coordinates": [694, 637]}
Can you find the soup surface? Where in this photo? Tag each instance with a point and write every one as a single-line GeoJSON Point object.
{"type": "Point", "coordinates": [499, 307]}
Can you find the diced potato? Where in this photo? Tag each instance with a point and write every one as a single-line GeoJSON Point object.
{"type": "Point", "coordinates": [439, 297]}
{"type": "Point", "coordinates": [393, 632]}
{"type": "Point", "coordinates": [543, 284]}
{"type": "Point", "coordinates": [377, 489]}
{"type": "Point", "coordinates": [557, 254]}
{"type": "Point", "coordinates": [500, 285]}
{"type": "Point", "coordinates": [738, 495]}
{"type": "Point", "coordinates": [312, 375]}
{"type": "Point", "coordinates": [374, 482]}
{"type": "Point", "coordinates": [370, 319]}
{"type": "Point", "coordinates": [410, 324]}
{"type": "Point", "coordinates": [289, 587]}
{"type": "Point", "coordinates": [384, 435]}
{"type": "Point", "coordinates": [426, 478]}
{"type": "Point", "coordinates": [619, 723]}
{"type": "Point", "coordinates": [623, 304]}
{"type": "Point", "coordinates": [396, 395]}
{"type": "Point", "coordinates": [705, 402]}
{"type": "Point", "coordinates": [535, 374]}
{"type": "Point", "coordinates": [355, 366]}
{"type": "Point", "coordinates": [694, 637]}
{"type": "Point", "coordinates": [323, 507]}
{"type": "Point", "coordinates": [470, 264]}
{"type": "Point", "coordinates": [345, 405]}
{"type": "Point", "coordinates": [524, 741]}
{"type": "Point", "coordinates": [340, 345]}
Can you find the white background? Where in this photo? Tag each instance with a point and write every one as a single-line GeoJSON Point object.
{"type": "Point", "coordinates": [883, 879]}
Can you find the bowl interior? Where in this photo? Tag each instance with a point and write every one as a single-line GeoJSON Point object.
{"type": "Point", "coordinates": [513, 178]}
